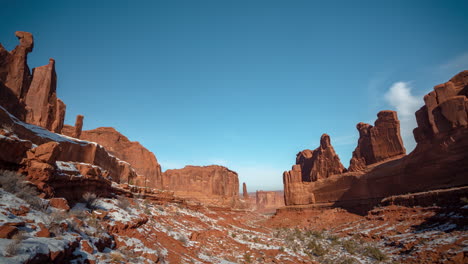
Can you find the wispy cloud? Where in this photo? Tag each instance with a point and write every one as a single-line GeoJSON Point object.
{"type": "Point", "coordinates": [406, 104]}
{"type": "Point", "coordinates": [456, 64]}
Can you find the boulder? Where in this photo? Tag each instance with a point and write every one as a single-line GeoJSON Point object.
{"type": "Point", "coordinates": [59, 203]}
{"type": "Point", "coordinates": [7, 231]}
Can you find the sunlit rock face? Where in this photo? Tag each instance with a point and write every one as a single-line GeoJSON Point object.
{"type": "Point", "coordinates": [30, 97]}
{"type": "Point", "coordinates": [379, 142]}
{"type": "Point", "coordinates": [215, 185]}
{"type": "Point", "coordinates": [379, 167]}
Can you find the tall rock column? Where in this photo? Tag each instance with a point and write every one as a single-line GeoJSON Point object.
{"type": "Point", "coordinates": [311, 165]}
{"type": "Point", "coordinates": [78, 126]}
{"type": "Point", "coordinates": [41, 99]}
{"type": "Point", "coordinates": [245, 194]}
{"type": "Point", "coordinates": [18, 76]}
{"type": "Point", "coordinates": [379, 142]}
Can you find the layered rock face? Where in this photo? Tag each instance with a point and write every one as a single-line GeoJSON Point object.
{"type": "Point", "coordinates": [58, 165]}
{"type": "Point", "coordinates": [320, 163]}
{"type": "Point", "coordinates": [379, 142]}
{"type": "Point", "coordinates": [214, 185]}
{"type": "Point", "coordinates": [445, 109]}
{"type": "Point", "coordinates": [31, 98]}
{"type": "Point", "coordinates": [311, 166]}
{"type": "Point", "coordinates": [439, 161]}
{"type": "Point", "coordinates": [142, 160]}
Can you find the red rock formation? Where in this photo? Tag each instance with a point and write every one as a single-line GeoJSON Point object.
{"type": "Point", "coordinates": [142, 160]}
{"type": "Point", "coordinates": [245, 194]}
{"type": "Point", "coordinates": [40, 162]}
{"type": "Point", "coordinates": [379, 142]}
{"type": "Point", "coordinates": [311, 166]}
{"type": "Point", "coordinates": [78, 126]}
{"type": "Point", "coordinates": [269, 201]}
{"type": "Point", "coordinates": [31, 98]}
{"type": "Point", "coordinates": [15, 73]}
{"type": "Point", "coordinates": [439, 161]}
{"type": "Point", "coordinates": [214, 185]}
{"type": "Point", "coordinates": [445, 109]}
{"type": "Point", "coordinates": [319, 163]}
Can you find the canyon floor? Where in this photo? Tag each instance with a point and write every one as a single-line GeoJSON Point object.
{"type": "Point", "coordinates": [144, 229]}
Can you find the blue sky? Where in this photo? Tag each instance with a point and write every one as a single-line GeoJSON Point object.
{"type": "Point", "coordinates": [245, 84]}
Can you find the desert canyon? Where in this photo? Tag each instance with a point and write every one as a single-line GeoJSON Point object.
{"type": "Point", "coordinates": [70, 195]}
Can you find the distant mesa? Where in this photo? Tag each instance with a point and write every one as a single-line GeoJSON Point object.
{"type": "Point", "coordinates": [214, 185]}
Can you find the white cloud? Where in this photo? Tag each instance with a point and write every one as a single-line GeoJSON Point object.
{"type": "Point", "coordinates": [406, 104]}
{"type": "Point", "coordinates": [399, 96]}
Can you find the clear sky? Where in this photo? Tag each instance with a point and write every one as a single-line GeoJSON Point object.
{"type": "Point", "coordinates": [245, 84]}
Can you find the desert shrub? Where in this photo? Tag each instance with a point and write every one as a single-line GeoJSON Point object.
{"type": "Point", "coordinates": [464, 200]}
{"type": "Point", "coordinates": [350, 245]}
{"type": "Point", "coordinates": [16, 184]}
{"type": "Point", "coordinates": [247, 258]}
{"type": "Point", "coordinates": [313, 247]}
{"type": "Point", "coordinates": [123, 202]}
{"type": "Point", "coordinates": [374, 253]}
{"type": "Point", "coordinates": [233, 235]}
{"type": "Point", "coordinates": [12, 248]}
{"type": "Point", "coordinates": [346, 260]}
{"type": "Point", "coordinates": [90, 199]}
{"type": "Point", "coordinates": [255, 239]}
{"type": "Point", "coordinates": [116, 256]}
{"type": "Point", "coordinates": [316, 234]}
{"type": "Point", "coordinates": [183, 239]}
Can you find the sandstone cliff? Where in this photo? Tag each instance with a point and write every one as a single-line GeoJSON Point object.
{"type": "Point", "coordinates": [30, 97]}
{"type": "Point", "coordinates": [379, 142]}
{"type": "Point", "coordinates": [311, 166]}
{"type": "Point", "coordinates": [214, 185]}
{"type": "Point", "coordinates": [440, 159]}
{"type": "Point", "coordinates": [142, 160]}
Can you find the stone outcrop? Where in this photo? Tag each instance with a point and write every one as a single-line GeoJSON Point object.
{"type": "Point", "coordinates": [141, 159]}
{"type": "Point", "coordinates": [439, 161]}
{"type": "Point", "coordinates": [445, 109]}
{"type": "Point", "coordinates": [30, 97]}
{"type": "Point", "coordinates": [39, 153]}
{"type": "Point", "coordinates": [379, 142]}
{"type": "Point", "coordinates": [311, 165]}
{"type": "Point", "coordinates": [214, 185]}
{"type": "Point", "coordinates": [245, 194]}
{"type": "Point", "coordinates": [269, 201]}
{"type": "Point", "coordinates": [78, 126]}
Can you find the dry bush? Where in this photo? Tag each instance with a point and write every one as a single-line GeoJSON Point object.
{"type": "Point", "coordinates": [183, 239]}
{"type": "Point", "coordinates": [116, 256]}
{"type": "Point", "coordinates": [374, 253]}
{"type": "Point", "coordinates": [16, 184]}
{"type": "Point", "coordinates": [12, 248]}
{"type": "Point", "coordinates": [90, 200]}
{"type": "Point", "coordinates": [123, 202]}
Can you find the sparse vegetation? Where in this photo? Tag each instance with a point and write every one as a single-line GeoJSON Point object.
{"type": "Point", "coordinates": [12, 248]}
{"type": "Point", "coordinates": [16, 184]}
{"type": "Point", "coordinates": [350, 245]}
{"type": "Point", "coordinates": [374, 253]}
{"type": "Point", "coordinates": [247, 258]}
{"type": "Point", "coordinates": [90, 200]}
{"type": "Point", "coordinates": [123, 202]}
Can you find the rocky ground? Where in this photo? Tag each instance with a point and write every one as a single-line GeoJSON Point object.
{"type": "Point", "coordinates": [143, 230]}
